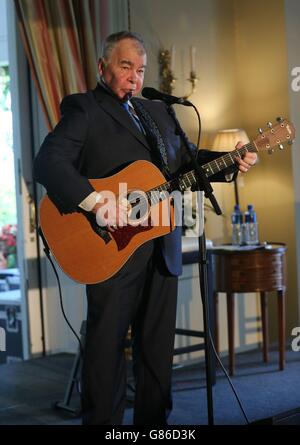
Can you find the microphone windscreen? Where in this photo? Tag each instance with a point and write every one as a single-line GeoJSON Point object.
{"type": "Point", "coordinates": [151, 93]}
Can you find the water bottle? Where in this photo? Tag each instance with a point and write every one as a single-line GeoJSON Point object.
{"type": "Point", "coordinates": [237, 223]}
{"type": "Point", "coordinates": [250, 227]}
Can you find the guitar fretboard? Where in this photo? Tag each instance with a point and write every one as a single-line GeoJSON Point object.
{"type": "Point", "coordinates": [188, 179]}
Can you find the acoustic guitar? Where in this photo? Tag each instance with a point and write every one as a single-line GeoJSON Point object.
{"type": "Point", "coordinates": [88, 253]}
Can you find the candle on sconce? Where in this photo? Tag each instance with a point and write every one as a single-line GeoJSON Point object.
{"type": "Point", "coordinates": [172, 61]}
{"type": "Point", "coordinates": [193, 58]}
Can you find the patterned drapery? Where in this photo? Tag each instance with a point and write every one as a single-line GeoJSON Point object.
{"type": "Point", "coordinates": [62, 40]}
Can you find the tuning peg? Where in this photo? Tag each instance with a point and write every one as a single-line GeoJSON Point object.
{"type": "Point", "coordinates": [270, 151]}
{"type": "Point", "coordinates": [290, 142]}
{"type": "Point", "coordinates": [281, 147]}
{"type": "Point", "coordinates": [279, 119]}
{"type": "Point", "coordinates": [260, 130]}
{"type": "Point", "coordinates": [269, 124]}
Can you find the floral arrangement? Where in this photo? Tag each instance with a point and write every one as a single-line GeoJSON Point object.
{"type": "Point", "coordinates": [8, 245]}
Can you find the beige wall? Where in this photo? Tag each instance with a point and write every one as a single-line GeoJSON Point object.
{"type": "Point", "coordinates": [208, 26]}
{"type": "Point", "coordinates": [263, 93]}
{"type": "Point", "coordinates": [243, 82]}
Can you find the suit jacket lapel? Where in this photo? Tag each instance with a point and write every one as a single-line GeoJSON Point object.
{"type": "Point", "coordinates": [111, 106]}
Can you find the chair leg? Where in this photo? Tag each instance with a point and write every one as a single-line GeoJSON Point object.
{"type": "Point", "coordinates": [216, 308]}
{"type": "Point", "coordinates": [265, 325]}
{"type": "Point", "coordinates": [230, 321]}
{"type": "Point", "coordinates": [281, 328]}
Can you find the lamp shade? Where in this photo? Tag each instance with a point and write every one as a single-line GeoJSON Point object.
{"type": "Point", "coordinates": [227, 139]}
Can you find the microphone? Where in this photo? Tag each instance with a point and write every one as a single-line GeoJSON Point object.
{"type": "Point", "coordinates": [152, 94]}
{"type": "Point", "coordinates": [127, 97]}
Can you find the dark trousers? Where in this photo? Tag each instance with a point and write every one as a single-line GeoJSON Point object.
{"type": "Point", "coordinates": [142, 294]}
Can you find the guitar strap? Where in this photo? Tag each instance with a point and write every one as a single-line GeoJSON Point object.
{"type": "Point", "coordinates": [154, 137]}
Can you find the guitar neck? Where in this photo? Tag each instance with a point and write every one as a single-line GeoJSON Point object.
{"type": "Point", "coordinates": [219, 164]}
{"type": "Point", "coordinates": [189, 179]}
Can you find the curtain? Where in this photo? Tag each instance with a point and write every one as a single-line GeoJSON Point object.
{"type": "Point", "coordinates": [62, 40]}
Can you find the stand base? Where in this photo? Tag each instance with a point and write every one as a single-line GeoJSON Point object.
{"type": "Point", "coordinates": [65, 407]}
{"type": "Point", "coordinates": [74, 379]}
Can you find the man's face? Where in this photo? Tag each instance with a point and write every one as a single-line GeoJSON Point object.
{"type": "Point", "coordinates": [124, 72]}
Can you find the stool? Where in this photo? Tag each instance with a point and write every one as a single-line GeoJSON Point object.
{"type": "Point", "coordinates": [240, 270]}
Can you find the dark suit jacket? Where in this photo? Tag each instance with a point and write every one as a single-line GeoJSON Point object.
{"type": "Point", "coordinates": [95, 138]}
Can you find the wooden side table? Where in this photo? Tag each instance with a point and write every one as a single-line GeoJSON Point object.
{"type": "Point", "coordinates": [240, 270]}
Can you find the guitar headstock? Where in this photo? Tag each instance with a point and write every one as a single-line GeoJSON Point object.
{"type": "Point", "coordinates": [275, 135]}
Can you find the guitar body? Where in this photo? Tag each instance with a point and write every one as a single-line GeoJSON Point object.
{"type": "Point", "coordinates": [81, 252]}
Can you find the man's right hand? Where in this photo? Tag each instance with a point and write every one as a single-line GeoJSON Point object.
{"type": "Point", "coordinates": [111, 214]}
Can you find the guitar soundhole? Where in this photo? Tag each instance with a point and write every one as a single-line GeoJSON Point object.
{"type": "Point", "coordinates": [138, 207]}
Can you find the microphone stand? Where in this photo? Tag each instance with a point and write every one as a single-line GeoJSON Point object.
{"type": "Point", "coordinates": [204, 185]}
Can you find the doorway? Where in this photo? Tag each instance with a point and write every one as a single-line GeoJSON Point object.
{"type": "Point", "coordinates": [21, 309]}
{"type": "Point", "coordinates": [10, 294]}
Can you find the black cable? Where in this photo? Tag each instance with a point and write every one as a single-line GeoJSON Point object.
{"type": "Point", "coordinates": [199, 126]}
{"type": "Point", "coordinates": [48, 255]}
{"type": "Point", "coordinates": [209, 331]}
{"type": "Point", "coordinates": [227, 376]}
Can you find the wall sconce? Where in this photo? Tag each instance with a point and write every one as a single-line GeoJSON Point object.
{"type": "Point", "coordinates": [167, 66]}
{"type": "Point", "coordinates": [226, 140]}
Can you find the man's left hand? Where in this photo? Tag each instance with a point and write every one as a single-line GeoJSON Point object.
{"type": "Point", "coordinates": [248, 160]}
